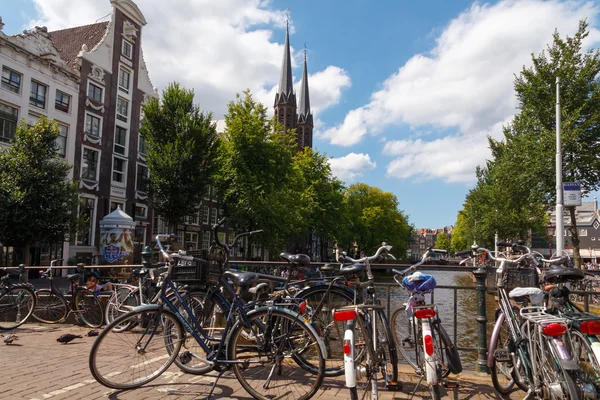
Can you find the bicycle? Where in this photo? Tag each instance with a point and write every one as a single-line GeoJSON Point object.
{"type": "Point", "coordinates": [17, 301]}
{"type": "Point", "coordinates": [268, 342]}
{"type": "Point", "coordinates": [368, 344]}
{"type": "Point", "coordinates": [419, 333]}
{"type": "Point", "coordinates": [54, 307]}
{"type": "Point", "coordinates": [530, 347]}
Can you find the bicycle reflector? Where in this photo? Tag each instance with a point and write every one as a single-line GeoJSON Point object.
{"type": "Point", "coordinates": [425, 313]}
{"type": "Point", "coordinates": [428, 344]}
{"type": "Point", "coordinates": [590, 327]}
{"type": "Point", "coordinates": [302, 308]}
{"type": "Point", "coordinates": [345, 315]}
{"type": "Point", "coordinates": [554, 329]}
{"type": "Point", "coordinates": [347, 348]}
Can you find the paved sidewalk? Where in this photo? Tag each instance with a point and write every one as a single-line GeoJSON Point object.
{"type": "Point", "coordinates": [37, 367]}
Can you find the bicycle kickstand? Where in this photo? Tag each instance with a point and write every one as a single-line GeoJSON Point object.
{"type": "Point", "coordinates": [214, 385]}
{"type": "Point", "coordinates": [415, 389]}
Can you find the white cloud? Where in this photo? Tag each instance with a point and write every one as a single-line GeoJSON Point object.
{"type": "Point", "coordinates": [464, 84]}
{"type": "Point", "coordinates": [351, 166]}
{"type": "Point", "coordinates": [219, 48]}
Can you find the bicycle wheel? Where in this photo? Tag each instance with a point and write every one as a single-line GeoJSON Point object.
{"type": "Point", "coordinates": [582, 352]}
{"type": "Point", "coordinates": [321, 318]}
{"type": "Point", "coordinates": [364, 361]}
{"type": "Point", "coordinates": [122, 301]}
{"type": "Point", "coordinates": [502, 365]}
{"type": "Point", "coordinates": [50, 308]}
{"type": "Point", "coordinates": [266, 355]}
{"type": "Point", "coordinates": [16, 306]}
{"type": "Point", "coordinates": [88, 307]}
{"type": "Point", "coordinates": [209, 313]}
{"type": "Point", "coordinates": [386, 349]}
{"type": "Point", "coordinates": [404, 334]}
{"type": "Point", "coordinates": [129, 359]}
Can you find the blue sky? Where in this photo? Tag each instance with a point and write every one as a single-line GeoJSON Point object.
{"type": "Point", "coordinates": [404, 93]}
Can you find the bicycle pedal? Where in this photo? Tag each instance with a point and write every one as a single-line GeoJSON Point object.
{"type": "Point", "coordinates": [450, 385]}
{"type": "Point", "coordinates": [502, 355]}
{"type": "Point", "coordinates": [394, 386]}
{"type": "Point", "coordinates": [185, 357]}
{"type": "Point", "coordinates": [408, 343]}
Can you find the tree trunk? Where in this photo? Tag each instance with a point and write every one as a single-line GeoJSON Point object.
{"type": "Point", "coordinates": [574, 238]}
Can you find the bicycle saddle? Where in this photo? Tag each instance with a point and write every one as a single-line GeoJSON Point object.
{"type": "Point", "coordinates": [73, 277]}
{"type": "Point", "coordinates": [557, 274]}
{"type": "Point", "coordinates": [240, 278]}
{"type": "Point", "coordinates": [419, 282]}
{"type": "Point", "coordinates": [520, 294]}
{"type": "Point", "coordinates": [297, 259]}
{"type": "Point", "coordinates": [352, 269]}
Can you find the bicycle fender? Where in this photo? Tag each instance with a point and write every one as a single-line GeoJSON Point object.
{"type": "Point", "coordinates": [147, 307]}
{"type": "Point", "coordinates": [563, 355]}
{"type": "Point", "coordinates": [494, 339]}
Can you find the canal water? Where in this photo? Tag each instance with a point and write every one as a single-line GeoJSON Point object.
{"type": "Point", "coordinates": [466, 324]}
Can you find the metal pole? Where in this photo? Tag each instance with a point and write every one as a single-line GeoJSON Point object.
{"type": "Point", "coordinates": [496, 247]}
{"type": "Point", "coordinates": [480, 276]}
{"type": "Point", "coordinates": [560, 228]}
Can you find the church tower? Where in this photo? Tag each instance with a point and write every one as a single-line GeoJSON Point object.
{"type": "Point", "coordinates": [304, 127]}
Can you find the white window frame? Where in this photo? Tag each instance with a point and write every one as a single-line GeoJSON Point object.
{"type": "Point", "coordinates": [66, 136]}
{"type": "Point", "coordinates": [87, 93]}
{"type": "Point", "coordinates": [125, 146]}
{"type": "Point", "coordinates": [124, 173]}
{"type": "Point", "coordinates": [20, 80]}
{"type": "Point", "coordinates": [205, 240]}
{"type": "Point", "coordinates": [145, 207]}
{"type": "Point", "coordinates": [130, 56]}
{"type": "Point", "coordinates": [583, 232]}
{"type": "Point", "coordinates": [91, 114]}
{"type": "Point", "coordinates": [205, 215]}
{"type": "Point", "coordinates": [118, 202]}
{"type": "Point", "coordinates": [123, 117]}
{"type": "Point", "coordinates": [136, 175]}
{"type": "Point", "coordinates": [140, 139]}
{"type": "Point", "coordinates": [3, 138]}
{"type": "Point", "coordinates": [93, 221]}
{"type": "Point", "coordinates": [45, 95]}
{"type": "Point", "coordinates": [98, 162]}
{"type": "Point", "coordinates": [65, 95]}
{"type": "Point", "coordinates": [193, 239]}
{"type": "Point", "coordinates": [124, 89]}
{"type": "Point", "coordinates": [221, 236]}
{"type": "Point", "coordinates": [213, 216]}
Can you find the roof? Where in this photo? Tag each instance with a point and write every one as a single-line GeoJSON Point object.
{"type": "Point", "coordinates": [304, 110]}
{"type": "Point", "coordinates": [286, 82]}
{"type": "Point", "coordinates": [69, 41]}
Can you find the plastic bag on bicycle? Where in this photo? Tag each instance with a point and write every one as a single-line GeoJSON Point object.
{"type": "Point", "coordinates": [419, 282]}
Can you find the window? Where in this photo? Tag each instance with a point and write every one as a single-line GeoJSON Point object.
{"type": "Point", "coordinates": [193, 219]}
{"type": "Point", "coordinates": [119, 167]}
{"type": "Point", "coordinates": [230, 237]}
{"type": "Point", "coordinates": [8, 122]}
{"type": "Point", "coordinates": [126, 49]}
{"type": "Point", "coordinates": [61, 140]}
{"type": "Point", "coordinates": [120, 140]}
{"type": "Point", "coordinates": [124, 80]}
{"type": "Point", "coordinates": [11, 80]}
{"type": "Point", "coordinates": [205, 215]}
{"type": "Point", "coordinates": [116, 204]}
{"type": "Point", "coordinates": [37, 95]}
{"type": "Point", "coordinates": [221, 237]}
{"type": "Point", "coordinates": [140, 211]}
{"type": "Point", "coordinates": [191, 241]}
{"type": "Point", "coordinates": [62, 102]}
{"type": "Point", "coordinates": [92, 125]}
{"type": "Point", "coordinates": [87, 207]}
{"type": "Point", "coordinates": [214, 216]}
{"type": "Point", "coordinates": [95, 92]}
{"type": "Point", "coordinates": [122, 109]}
{"type": "Point", "coordinates": [583, 232]}
{"type": "Point", "coordinates": [142, 145]}
{"type": "Point", "coordinates": [89, 166]}
{"type": "Point", "coordinates": [207, 193]}
{"type": "Point", "coordinates": [141, 182]}
{"type": "Point", "coordinates": [205, 240]}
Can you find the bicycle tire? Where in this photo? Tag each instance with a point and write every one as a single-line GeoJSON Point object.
{"type": "Point", "coordinates": [50, 308]}
{"type": "Point", "coordinates": [331, 331]}
{"type": "Point", "coordinates": [115, 306]}
{"type": "Point", "coordinates": [386, 348]}
{"type": "Point", "coordinates": [209, 312]}
{"type": "Point", "coordinates": [405, 343]}
{"type": "Point", "coordinates": [498, 368]}
{"type": "Point", "coordinates": [364, 358]}
{"type": "Point", "coordinates": [88, 307]}
{"type": "Point", "coordinates": [435, 392]}
{"type": "Point", "coordinates": [582, 351]}
{"type": "Point", "coordinates": [7, 303]}
{"type": "Point", "coordinates": [106, 372]}
{"type": "Point", "coordinates": [454, 362]}
{"type": "Point", "coordinates": [278, 324]}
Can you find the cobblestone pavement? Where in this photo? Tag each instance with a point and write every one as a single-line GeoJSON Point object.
{"type": "Point", "coordinates": [37, 367]}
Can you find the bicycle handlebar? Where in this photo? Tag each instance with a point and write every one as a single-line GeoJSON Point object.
{"type": "Point", "coordinates": [384, 248]}
{"type": "Point", "coordinates": [414, 266]}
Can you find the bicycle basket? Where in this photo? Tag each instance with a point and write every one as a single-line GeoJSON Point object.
{"type": "Point", "coordinates": [519, 277]}
{"type": "Point", "coordinates": [189, 272]}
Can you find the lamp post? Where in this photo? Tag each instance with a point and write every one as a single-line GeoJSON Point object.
{"type": "Point", "coordinates": [560, 239]}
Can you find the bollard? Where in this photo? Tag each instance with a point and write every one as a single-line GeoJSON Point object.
{"type": "Point", "coordinates": [147, 257]}
{"type": "Point", "coordinates": [22, 273]}
{"type": "Point", "coordinates": [81, 272]}
{"type": "Point", "coordinates": [480, 276]}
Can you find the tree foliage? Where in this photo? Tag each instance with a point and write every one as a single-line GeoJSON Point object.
{"type": "Point", "coordinates": [374, 217]}
{"type": "Point", "coordinates": [37, 201]}
{"type": "Point", "coordinates": [443, 241]}
{"type": "Point", "coordinates": [460, 239]}
{"type": "Point", "coordinates": [181, 149]}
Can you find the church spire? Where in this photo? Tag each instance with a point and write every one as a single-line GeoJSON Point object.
{"type": "Point", "coordinates": [286, 82]}
{"type": "Point", "coordinates": [304, 109]}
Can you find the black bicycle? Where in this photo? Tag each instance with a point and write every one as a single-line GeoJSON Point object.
{"type": "Point", "coordinates": [17, 301]}
{"type": "Point", "coordinates": [54, 307]}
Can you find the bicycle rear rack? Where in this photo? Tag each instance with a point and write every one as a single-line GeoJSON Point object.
{"type": "Point", "coordinates": [539, 316]}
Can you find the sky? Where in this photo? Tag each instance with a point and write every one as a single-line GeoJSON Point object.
{"type": "Point", "coordinates": [404, 93]}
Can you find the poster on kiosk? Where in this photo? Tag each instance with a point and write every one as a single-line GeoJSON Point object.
{"type": "Point", "coordinates": [116, 238]}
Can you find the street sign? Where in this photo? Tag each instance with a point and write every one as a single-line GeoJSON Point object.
{"type": "Point", "coordinates": [572, 194]}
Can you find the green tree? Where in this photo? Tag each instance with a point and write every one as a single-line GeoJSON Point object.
{"type": "Point", "coordinates": [181, 149]}
{"type": "Point", "coordinates": [443, 241]}
{"type": "Point", "coordinates": [36, 198]}
{"type": "Point", "coordinates": [255, 170]}
{"type": "Point", "coordinates": [531, 135]}
{"type": "Point", "coordinates": [460, 234]}
{"type": "Point", "coordinates": [374, 217]}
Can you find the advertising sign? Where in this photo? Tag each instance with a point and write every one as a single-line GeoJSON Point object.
{"type": "Point", "coordinates": [572, 194]}
{"type": "Point", "coordinates": [116, 245]}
